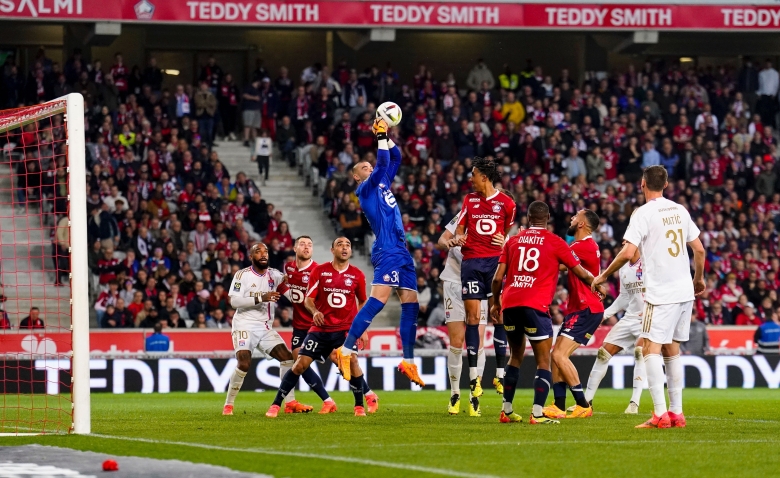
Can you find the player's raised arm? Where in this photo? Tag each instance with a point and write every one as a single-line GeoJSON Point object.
{"type": "Point", "coordinates": [382, 154]}
{"type": "Point", "coordinates": [395, 159]}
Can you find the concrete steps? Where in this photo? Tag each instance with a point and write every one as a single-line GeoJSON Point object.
{"type": "Point", "coordinates": [285, 189]}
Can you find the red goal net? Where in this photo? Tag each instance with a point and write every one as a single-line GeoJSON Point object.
{"type": "Point", "coordinates": [41, 217]}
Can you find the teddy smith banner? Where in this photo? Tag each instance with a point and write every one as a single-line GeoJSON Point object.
{"type": "Point", "coordinates": [402, 14]}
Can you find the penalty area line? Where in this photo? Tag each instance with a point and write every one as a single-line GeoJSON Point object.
{"type": "Point", "coordinates": [265, 451]}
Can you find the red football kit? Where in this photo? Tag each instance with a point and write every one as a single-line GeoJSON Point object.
{"type": "Point", "coordinates": [484, 217]}
{"type": "Point", "coordinates": [298, 281]}
{"type": "Point", "coordinates": [580, 295]}
{"type": "Point", "coordinates": [532, 257]}
{"type": "Point", "coordinates": [336, 295]}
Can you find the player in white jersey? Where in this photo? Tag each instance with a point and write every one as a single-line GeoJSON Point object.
{"type": "Point", "coordinates": [660, 229]}
{"type": "Point", "coordinates": [455, 318]}
{"type": "Point", "coordinates": [253, 293]}
{"type": "Point", "coordinates": [625, 333]}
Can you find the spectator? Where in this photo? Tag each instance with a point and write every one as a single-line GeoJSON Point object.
{"type": "Point", "coordinates": [262, 154]}
{"type": "Point", "coordinates": [768, 83]}
{"type": "Point", "coordinates": [157, 342]}
{"type": "Point", "coordinates": [748, 316]}
{"type": "Point", "coordinates": [251, 107]}
{"type": "Point", "coordinates": [205, 111]}
{"type": "Point", "coordinates": [698, 340]}
{"type": "Point", "coordinates": [767, 336]}
{"type": "Point", "coordinates": [32, 321]}
{"type": "Point", "coordinates": [479, 74]}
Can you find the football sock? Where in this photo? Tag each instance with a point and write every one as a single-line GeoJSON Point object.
{"type": "Point", "coordinates": [597, 373]}
{"type": "Point", "coordinates": [501, 348]}
{"type": "Point", "coordinates": [655, 380]}
{"type": "Point", "coordinates": [640, 375]}
{"type": "Point", "coordinates": [408, 329]}
{"type": "Point", "coordinates": [315, 382]}
{"type": "Point", "coordinates": [472, 348]}
{"type": "Point", "coordinates": [541, 389]}
{"type": "Point", "coordinates": [360, 324]}
{"type": "Point", "coordinates": [366, 388]}
{"type": "Point", "coordinates": [454, 367]}
{"type": "Point", "coordinates": [579, 396]}
{"type": "Point", "coordinates": [510, 385]}
{"type": "Point", "coordinates": [559, 393]}
{"type": "Point", "coordinates": [356, 384]}
{"type": "Point", "coordinates": [284, 367]}
{"type": "Point", "coordinates": [236, 380]}
{"type": "Point", "coordinates": [674, 382]}
{"type": "Point", "coordinates": [288, 383]}
{"type": "Point", "coordinates": [481, 363]}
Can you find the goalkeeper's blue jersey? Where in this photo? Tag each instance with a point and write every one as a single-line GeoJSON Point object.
{"type": "Point", "coordinates": [380, 207]}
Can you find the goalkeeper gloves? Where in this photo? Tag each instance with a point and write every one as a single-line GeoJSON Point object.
{"type": "Point", "coordinates": [380, 128]}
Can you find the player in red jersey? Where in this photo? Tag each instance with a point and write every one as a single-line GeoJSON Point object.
{"type": "Point", "coordinates": [530, 261]}
{"type": "Point", "coordinates": [298, 273]}
{"type": "Point", "coordinates": [337, 290]}
{"type": "Point", "coordinates": [485, 219]}
{"type": "Point", "coordinates": [586, 315]}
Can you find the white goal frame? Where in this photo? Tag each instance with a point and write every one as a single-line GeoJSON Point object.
{"type": "Point", "coordinates": [72, 106]}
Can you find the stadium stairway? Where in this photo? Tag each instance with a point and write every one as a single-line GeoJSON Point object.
{"type": "Point", "coordinates": [26, 268]}
{"type": "Point", "coordinates": [285, 189]}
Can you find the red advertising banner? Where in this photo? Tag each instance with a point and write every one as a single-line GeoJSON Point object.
{"type": "Point", "coordinates": [737, 340]}
{"type": "Point", "coordinates": [404, 14]}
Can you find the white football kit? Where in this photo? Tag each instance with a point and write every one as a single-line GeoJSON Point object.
{"type": "Point", "coordinates": [252, 326]}
{"type": "Point", "coordinates": [661, 230]}
{"type": "Point", "coordinates": [454, 310]}
{"type": "Point", "coordinates": [631, 300]}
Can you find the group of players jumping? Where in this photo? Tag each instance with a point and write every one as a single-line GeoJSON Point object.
{"type": "Point", "coordinates": [511, 281]}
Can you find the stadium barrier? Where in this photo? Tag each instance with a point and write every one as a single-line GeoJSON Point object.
{"type": "Point", "coordinates": [217, 342]}
{"type": "Point", "coordinates": [163, 374]}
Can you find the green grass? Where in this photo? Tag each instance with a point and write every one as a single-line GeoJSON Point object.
{"type": "Point", "coordinates": [730, 433]}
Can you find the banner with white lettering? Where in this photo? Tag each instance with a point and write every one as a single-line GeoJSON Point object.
{"type": "Point", "coordinates": [166, 375]}
{"type": "Point", "coordinates": [407, 14]}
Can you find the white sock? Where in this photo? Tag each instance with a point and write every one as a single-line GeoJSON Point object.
{"type": "Point", "coordinates": [674, 382]}
{"type": "Point", "coordinates": [537, 410]}
{"type": "Point", "coordinates": [481, 362]}
{"type": "Point", "coordinates": [409, 360]}
{"type": "Point", "coordinates": [507, 408]}
{"type": "Point", "coordinates": [597, 373]}
{"type": "Point", "coordinates": [473, 373]}
{"type": "Point", "coordinates": [500, 372]}
{"type": "Point", "coordinates": [454, 367]}
{"type": "Point", "coordinates": [640, 375]}
{"type": "Point", "coordinates": [654, 364]}
{"type": "Point", "coordinates": [236, 380]}
{"type": "Point", "coordinates": [284, 367]}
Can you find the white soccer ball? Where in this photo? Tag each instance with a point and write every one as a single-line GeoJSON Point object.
{"type": "Point", "coordinates": [390, 112]}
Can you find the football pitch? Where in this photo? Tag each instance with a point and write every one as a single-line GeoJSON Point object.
{"type": "Point", "coordinates": [730, 432]}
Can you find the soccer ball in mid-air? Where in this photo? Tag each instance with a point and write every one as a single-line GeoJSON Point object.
{"type": "Point", "coordinates": [390, 112]}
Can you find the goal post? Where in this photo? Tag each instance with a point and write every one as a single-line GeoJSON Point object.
{"type": "Point", "coordinates": [45, 374]}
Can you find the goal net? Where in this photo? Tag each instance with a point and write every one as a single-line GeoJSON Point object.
{"type": "Point", "coordinates": [44, 310]}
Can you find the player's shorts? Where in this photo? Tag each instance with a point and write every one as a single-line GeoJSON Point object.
{"type": "Point", "coordinates": [525, 321]}
{"type": "Point", "coordinates": [319, 345]}
{"type": "Point", "coordinates": [454, 311]}
{"type": "Point", "coordinates": [297, 338]}
{"type": "Point", "coordinates": [476, 277]}
{"type": "Point", "coordinates": [579, 326]}
{"type": "Point", "coordinates": [665, 323]}
{"type": "Point", "coordinates": [625, 333]}
{"type": "Point", "coordinates": [250, 336]}
{"type": "Point", "coordinates": [394, 270]}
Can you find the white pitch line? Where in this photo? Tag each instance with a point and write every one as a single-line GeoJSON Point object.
{"type": "Point", "coordinates": [564, 442]}
{"type": "Point", "coordinates": [266, 451]}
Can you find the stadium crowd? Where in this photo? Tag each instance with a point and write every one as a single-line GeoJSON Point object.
{"type": "Point", "coordinates": [169, 225]}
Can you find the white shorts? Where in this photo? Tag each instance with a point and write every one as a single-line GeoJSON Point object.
{"type": "Point", "coordinates": [666, 323]}
{"type": "Point", "coordinates": [454, 310]}
{"type": "Point", "coordinates": [254, 335]}
{"type": "Point", "coordinates": [625, 332]}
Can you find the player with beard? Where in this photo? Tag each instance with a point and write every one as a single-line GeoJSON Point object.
{"type": "Point", "coordinates": [298, 273]}
{"type": "Point", "coordinates": [580, 324]}
{"type": "Point", "coordinates": [254, 293]}
{"type": "Point", "coordinates": [337, 290]}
